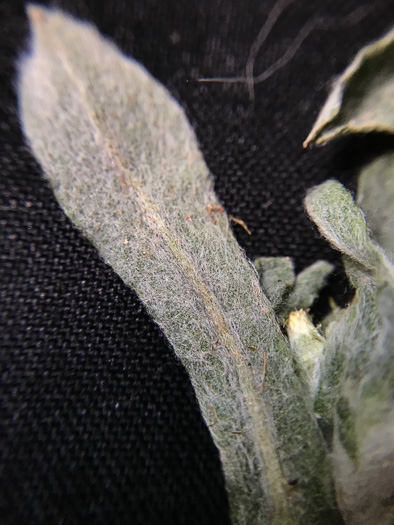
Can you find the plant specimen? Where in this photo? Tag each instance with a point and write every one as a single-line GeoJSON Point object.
{"type": "Point", "coordinates": [125, 166]}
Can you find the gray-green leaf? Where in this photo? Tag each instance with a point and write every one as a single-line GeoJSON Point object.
{"type": "Point", "coordinates": [355, 396]}
{"type": "Point", "coordinates": [287, 292]}
{"type": "Point", "coordinates": [308, 284]}
{"type": "Point", "coordinates": [125, 166]}
{"type": "Point", "coordinates": [362, 99]}
{"type": "Point", "coordinates": [376, 197]}
{"type": "Point", "coordinates": [277, 278]}
{"type": "Point", "coordinates": [342, 222]}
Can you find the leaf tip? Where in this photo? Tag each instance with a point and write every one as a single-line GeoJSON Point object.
{"type": "Point", "coordinates": [313, 138]}
{"type": "Point", "coordinates": [36, 13]}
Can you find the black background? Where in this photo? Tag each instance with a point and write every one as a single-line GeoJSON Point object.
{"type": "Point", "coordinates": [100, 422]}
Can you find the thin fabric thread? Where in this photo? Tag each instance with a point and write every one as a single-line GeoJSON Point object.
{"type": "Point", "coordinates": [124, 164]}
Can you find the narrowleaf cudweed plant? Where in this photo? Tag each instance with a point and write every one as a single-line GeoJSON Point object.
{"type": "Point", "coordinates": [125, 166]}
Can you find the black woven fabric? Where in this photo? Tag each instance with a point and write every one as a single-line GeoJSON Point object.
{"type": "Point", "coordinates": [100, 422]}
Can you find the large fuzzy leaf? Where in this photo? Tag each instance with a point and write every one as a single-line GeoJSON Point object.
{"type": "Point", "coordinates": [125, 166]}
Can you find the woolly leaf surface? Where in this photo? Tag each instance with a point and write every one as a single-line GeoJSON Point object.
{"type": "Point", "coordinates": [362, 99]}
{"type": "Point", "coordinates": [277, 278]}
{"type": "Point", "coordinates": [125, 166]}
{"type": "Point", "coordinates": [308, 284]}
{"type": "Point", "coordinates": [355, 396]}
{"type": "Point", "coordinates": [376, 197]}
{"type": "Point", "coordinates": [355, 400]}
{"type": "Point", "coordinates": [287, 292]}
{"type": "Point", "coordinates": [342, 222]}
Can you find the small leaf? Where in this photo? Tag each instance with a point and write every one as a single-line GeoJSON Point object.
{"type": "Point", "coordinates": [308, 284]}
{"type": "Point", "coordinates": [342, 222]}
{"type": "Point", "coordinates": [277, 278]}
{"type": "Point", "coordinates": [362, 99]}
{"type": "Point", "coordinates": [287, 292]}
{"type": "Point", "coordinates": [376, 197]}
